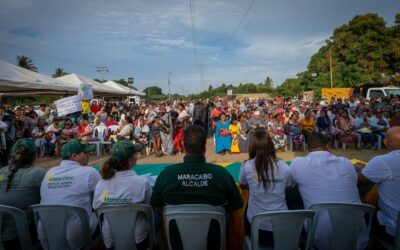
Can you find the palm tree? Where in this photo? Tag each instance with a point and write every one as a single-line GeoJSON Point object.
{"type": "Point", "coordinates": [26, 63]}
{"type": "Point", "coordinates": [59, 72]}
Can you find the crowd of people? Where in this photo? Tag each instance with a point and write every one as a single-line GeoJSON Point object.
{"type": "Point", "coordinates": [231, 121]}
{"type": "Point", "coordinates": [320, 177]}
{"type": "Point", "coordinates": [260, 127]}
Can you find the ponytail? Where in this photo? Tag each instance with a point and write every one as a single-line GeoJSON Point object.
{"type": "Point", "coordinates": [16, 162]}
{"type": "Point", "coordinates": [111, 166]}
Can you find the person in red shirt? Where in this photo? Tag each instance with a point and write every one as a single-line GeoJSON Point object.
{"type": "Point", "coordinates": [95, 107]}
{"type": "Point", "coordinates": [110, 121]}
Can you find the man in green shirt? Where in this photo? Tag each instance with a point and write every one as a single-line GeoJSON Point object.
{"type": "Point", "coordinates": [196, 182]}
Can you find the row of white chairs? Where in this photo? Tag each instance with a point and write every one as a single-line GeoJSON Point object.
{"type": "Point", "coordinates": [193, 222]}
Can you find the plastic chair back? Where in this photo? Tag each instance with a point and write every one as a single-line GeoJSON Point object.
{"type": "Point", "coordinates": [101, 132]}
{"type": "Point", "coordinates": [21, 223]}
{"type": "Point", "coordinates": [347, 221]}
{"type": "Point", "coordinates": [122, 221]}
{"type": "Point", "coordinates": [54, 220]}
{"type": "Point", "coordinates": [287, 227]}
{"type": "Point", "coordinates": [193, 221]}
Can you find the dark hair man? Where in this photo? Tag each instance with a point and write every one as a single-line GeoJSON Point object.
{"type": "Point", "coordinates": [324, 177]}
{"type": "Point", "coordinates": [194, 181]}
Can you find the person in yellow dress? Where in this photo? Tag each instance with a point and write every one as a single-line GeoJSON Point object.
{"type": "Point", "coordinates": [234, 128]}
{"type": "Point", "coordinates": [307, 124]}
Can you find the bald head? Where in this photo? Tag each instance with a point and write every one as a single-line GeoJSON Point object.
{"type": "Point", "coordinates": [393, 138]}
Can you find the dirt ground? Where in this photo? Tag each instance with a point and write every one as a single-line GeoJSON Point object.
{"type": "Point", "coordinates": [351, 153]}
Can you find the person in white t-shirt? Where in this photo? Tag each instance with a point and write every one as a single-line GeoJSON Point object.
{"type": "Point", "coordinates": [324, 177]}
{"type": "Point", "coordinates": [71, 183]}
{"type": "Point", "coordinates": [267, 179]}
{"type": "Point", "coordinates": [384, 170]}
{"type": "Point", "coordinates": [120, 185]}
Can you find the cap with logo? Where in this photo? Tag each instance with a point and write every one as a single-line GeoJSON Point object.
{"type": "Point", "coordinates": [123, 149]}
{"type": "Point", "coordinates": [75, 147]}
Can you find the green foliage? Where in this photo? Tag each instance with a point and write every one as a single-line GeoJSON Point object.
{"type": "Point", "coordinates": [243, 88]}
{"type": "Point", "coordinates": [364, 50]}
{"type": "Point", "coordinates": [26, 63]}
{"type": "Point", "coordinates": [125, 83]}
{"type": "Point", "coordinates": [153, 90]}
{"type": "Point", "coordinates": [290, 87]}
{"type": "Point", "coordinates": [59, 72]}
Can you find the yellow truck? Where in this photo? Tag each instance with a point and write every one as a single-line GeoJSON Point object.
{"type": "Point", "coordinates": [343, 93]}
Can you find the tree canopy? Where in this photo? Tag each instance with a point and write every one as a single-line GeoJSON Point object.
{"type": "Point", "coordinates": [364, 50]}
{"type": "Point", "coordinates": [26, 63]}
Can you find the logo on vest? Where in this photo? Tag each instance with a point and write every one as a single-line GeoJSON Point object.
{"type": "Point", "coordinates": [105, 197]}
{"type": "Point", "coordinates": [59, 182]}
{"type": "Point", "coordinates": [194, 180]}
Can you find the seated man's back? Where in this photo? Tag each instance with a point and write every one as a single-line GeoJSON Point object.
{"type": "Point", "coordinates": [323, 177]}
{"type": "Point", "coordinates": [196, 182]}
{"type": "Point", "coordinates": [72, 184]}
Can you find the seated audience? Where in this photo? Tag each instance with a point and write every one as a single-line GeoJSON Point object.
{"type": "Point", "coordinates": [20, 188]}
{"type": "Point", "coordinates": [365, 126]}
{"type": "Point", "coordinates": [120, 185]}
{"type": "Point", "coordinates": [324, 177]}
{"type": "Point", "coordinates": [179, 183]}
{"type": "Point", "coordinates": [85, 131]}
{"type": "Point", "coordinates": [345, 129]}
{"type": "Point", "coordinates": [267, 179]}
{"type": "Point", "coordinates": [71, 183]}
{"type": "Point", "coordinates": [127, 128]}
{"type": "Point", "coordinates": [384, 170]}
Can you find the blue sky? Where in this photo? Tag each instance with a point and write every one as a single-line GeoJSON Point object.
{"type": "Point", "coordinates": [147, 39]}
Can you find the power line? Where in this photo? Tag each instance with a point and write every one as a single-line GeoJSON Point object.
{"type": "Point", "coordinates": [194, 32]}
{"type": "Point", "coordinates": [238, 26]}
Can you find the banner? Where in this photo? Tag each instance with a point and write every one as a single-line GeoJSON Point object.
{"type": "Point", "coordinates": [85, 91]}
{"type": "Point", "coordinates": [68, 105]}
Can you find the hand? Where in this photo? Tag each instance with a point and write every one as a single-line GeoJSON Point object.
{"type": "Point", "coordinates": [359, 166]}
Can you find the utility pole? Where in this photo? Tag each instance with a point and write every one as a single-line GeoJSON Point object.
{"type": "Point", "coordinates": [330, 65]}
{"type": "Point", "coordinates": [169, 85]}
{"type": "Point", "coordinates": [101, 70]}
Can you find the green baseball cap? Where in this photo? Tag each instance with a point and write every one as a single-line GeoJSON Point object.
{"type": "Point", "coordinates": [75, 147]}
{"type": "Point", "coordinates": [29, 144]}
{"type": "Point", "coordinates": [123, 149]}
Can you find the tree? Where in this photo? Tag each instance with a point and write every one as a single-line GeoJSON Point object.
{"type": "Point", "coordinates": [268, 82]}
{"type": "Point", "coordinates": [153, 90]}
{"type": "Point", "coordinates": [26, 63]}
{"type": "Point", "coordinates": [210, 88]}
{"type": "Point", "coordinates": [59, 72]}
{"type": "Point", "coordinates": [125, 83]}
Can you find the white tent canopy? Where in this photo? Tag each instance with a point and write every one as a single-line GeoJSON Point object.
{"type": "Point", "coordinates": [15, 80]}
{"type": "Point", "coordinates": [75, 80]}
{"type": "Point", "coordinates": [126, 89]}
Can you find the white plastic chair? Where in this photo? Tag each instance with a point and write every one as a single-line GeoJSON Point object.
{"type": "Point", "coordinates": [287, 227]}
{"type": "Point", "coordinates": [347, 221]}
{"type": "Point", "coordinates": [122, 221]}
{"type": "Point", "coordinates": [193, 222]}
{"type": "Point", "coordinates": [54, 220]}
{"type": "Point", "coordinates": [21, 223]}
{"type": "Point", "coordinates": [101, 133]}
